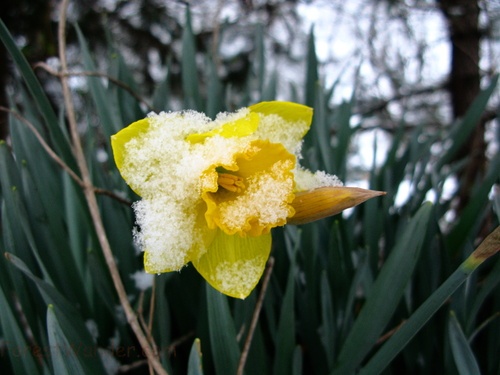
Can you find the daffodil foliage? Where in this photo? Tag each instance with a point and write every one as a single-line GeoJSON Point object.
{"type": "Point", "coordinates": [213, 190]}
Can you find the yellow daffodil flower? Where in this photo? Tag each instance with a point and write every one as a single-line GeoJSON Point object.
{"type": "Point", "coordinates": [213, 190]}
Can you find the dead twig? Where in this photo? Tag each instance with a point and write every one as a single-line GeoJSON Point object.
{"type": "Point", "coordinates": [255, 316]}
{"type": "Point", "coordinates": [45, 145]}
{"type": "Point", "coordinates": [111, 79]}
{"type": "Point", "coordinates": [59, 161]}
{"type": "Point", "coordinates": [388, 335]}
{"type": "Point", "coordinates": [90, 197]}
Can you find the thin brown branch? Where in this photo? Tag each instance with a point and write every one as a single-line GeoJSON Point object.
{"type": "Point", "coordinates": [58, 160]}
{"type": "Point", "coordinates": [255, 316]}
{"type": "Point", "coordinates": [147, 327]}
{"type": "Point", "coordinates": [111, 79]}
{"type": "Point", "coordinates": [388, 334]}
{"type": "Point", "coordinates": [152, 307]}
{"type": "Point", "coordinates": [382, 104]}
{"type": "Point", "coordinates": [140, 315]}
{"type": "Point", "coordinates": [90, 196]}
{"type": "Point", "coordinates": [45, 145]}
{"type": "Point", "coordinates": [112, 195]}
{"type": "Point", "coordinates": [133, 366]}
{"type": "Point", "coordinates": [171, 348]}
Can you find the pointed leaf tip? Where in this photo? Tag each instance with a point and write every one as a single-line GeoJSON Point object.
{"type": "Point", "coordinates": [327, 201]}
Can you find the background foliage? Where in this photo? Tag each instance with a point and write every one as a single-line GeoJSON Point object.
{"type": "Point", "coordinates": [381, 288]}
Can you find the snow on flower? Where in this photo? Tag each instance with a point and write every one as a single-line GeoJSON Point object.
{"type": "Point", "coordinates": [213, 190]}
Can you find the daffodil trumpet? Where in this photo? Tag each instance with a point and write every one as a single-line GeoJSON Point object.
{"type": "Point", "coordinates": [213, 190]}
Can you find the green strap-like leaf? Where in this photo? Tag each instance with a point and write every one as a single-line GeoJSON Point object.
{"type": "Point", "coordinates": [285, 337]}
{"type": "Point", "coordinates": [464, 127]}
{"type": "Point", "coordinates": [68, 318]}
{"type": "Point", "coordinates": [56, 134]}
{"type": "Point", "coordinates": [225, 350]}
{"type": "Point", "coordinates": [462, 352]}
{"type": "Point", "coordinates": [62, 351]}
{"type": "Point", "coordinates": [18, 348]}
{"type": "Point", "coordinates": [385, 294]}
{"type": "Point", "coordinates": [398, 341]}
{"type": "Point", "coordinates": [190, 80]}
{"type": "Point", "coordinates": [194, 365]}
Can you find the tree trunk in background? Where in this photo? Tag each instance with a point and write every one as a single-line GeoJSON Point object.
{"type": "Point", "coordinates": [462, 17]}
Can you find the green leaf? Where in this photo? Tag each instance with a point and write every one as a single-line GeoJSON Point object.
{"type": "Point", "coordinates": [260, 60]}
{"type": "Point", "coordinates": [189, 71]}
{"type": "Point", "coordinates": [321, 126]}
{"type": "Point", "coordinates": [385, 294]}
{"type": "Point", "coordinates": [341, 119]}
{"type": "Point", "coordinates": [417, 320]}
{"type": "Point", "coordinates": [311, 82]}
{"type": "Point", "coordinates": [488, 286]}
{"type": "Point", "coordinates": [64, 359]}
{"type": "Point", "coordinates": [225, 349]}
{"type": "Point", "coordinates": [194, 364]}
{"type": "Point", "coordinates": [56, 134]}
{"type": "Point", "coordinates": [297, 361]}
{"type": "Point", "coordinates": [468, 221]}
{"type": "Point", "coordinates": [269, 92]}
{"type": "Point", "coordinates": [215, 100]}
{"type": "Point", "coordinates": [18, 213]}
{"type": "Point", "coordinates": [328, 330]}
{"type": "Point", "coordinates": [462, 130]}
{"type": "Point", "coordinates": [106, 105]}
{"type": "Point", "coordinates": [68, 317]}
{"type": "Point", "coordinates": [18, 349]}
{"type": "Point", "coordinates": [460, 348]}
{"type": "Point", "coordinates": [285, 337]}
{"type": "Point", "coordinates": [128, 107]}
{"type": "Point", "coordinates": [161, 94]}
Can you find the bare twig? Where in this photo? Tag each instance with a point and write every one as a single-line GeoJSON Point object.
{"type": "Point", "coordinates": [112, 195]}
{"type": "Point", "coordinates": [140, 315]}
{"type": "Point", "coordinates": [58, 160]}
{"type": "Point", "coordinates": [152, 307]}
{"type": "Point", "coordinates": [89, 192]}
{"type": "Point", "coordinates": [255, 316]}
{"type": "Point", "coordinates": [388, 334]}
{"type": "Point", "coordinates": [45, 145]}
{"type": "Point", "coordinates": [111, 79]}
{"type": "Point", "coordinates": [382, 104]}
{"type": "Point", "coordinates": [133, 366]}
{"type": "Point", "coordinates": [179, 341]}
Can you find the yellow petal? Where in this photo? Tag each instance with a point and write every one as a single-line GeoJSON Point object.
{"type": "Point", "coordinates": [233, 265]}
{"type": "Point", "coordinates": [239, 128]}
{"type": "Point", "coordinates": [173, 258]}
{"type": "Point", "coordinates": [289, 111]}
{"type": "Point", "coordinates": [323, 202]}
{"type": "Point", "coordinates": [283, 122]}
{"type": "Point", "coordinates": [120, 139]}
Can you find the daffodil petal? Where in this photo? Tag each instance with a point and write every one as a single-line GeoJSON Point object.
{"type": "Point", "coordinates": [171, 239]}
{"type": "Point", "coordinates": [289, 111]}
{"type": "Point", "coordinates": [283, 122]}
{"type": "Point", "coordinates": [120, 139]}
{"type": "Point", "coordinates": [233, 264]}
{"type": "Point", "coordinates": [239, 128]}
